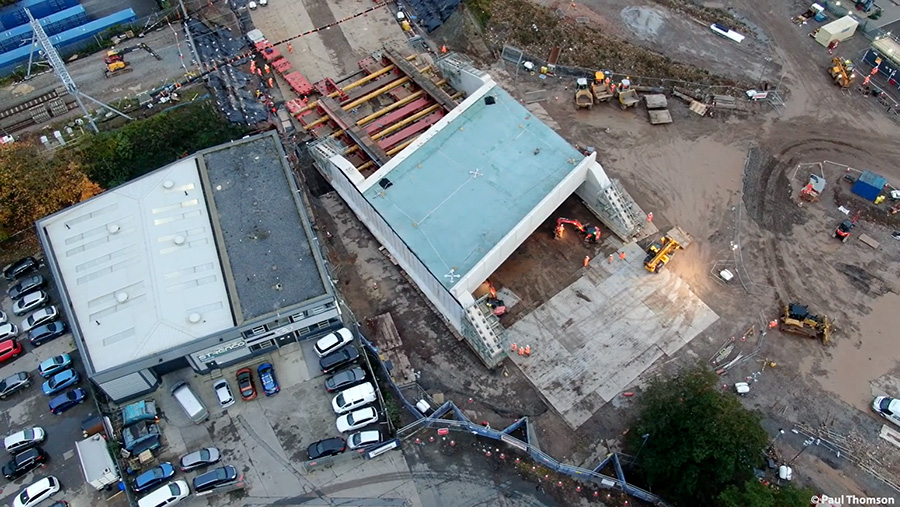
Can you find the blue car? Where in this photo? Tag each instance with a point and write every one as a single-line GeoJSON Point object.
{"type": "Point", "coordinates": [153, 477]}
{"type": "Point", "coordinates": [66, 401]}
{"type": "Point", "coordinates": [60, 381]}
{"type": "Point", "coordinates": [54, 365]}
{"type": "Point", "coordinates": [267, 378]}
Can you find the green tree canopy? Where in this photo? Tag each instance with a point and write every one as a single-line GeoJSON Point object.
{"type": "Point", "coordinates": [699, 439]}
{"type": "Point", "coordinates": [755, 494]}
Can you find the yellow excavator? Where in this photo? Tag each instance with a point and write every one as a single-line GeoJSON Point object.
{"type": "Point", "coordinates": [841, 72]}
{"type": "Point", "coordinates": [115, 59]}
{"type": "Point", "coordinates": [659, 253]}
{"type": "Point", "coordinates": [797, 319]}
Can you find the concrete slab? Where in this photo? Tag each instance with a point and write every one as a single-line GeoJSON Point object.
{"type": "Point", "coordinates": [596, 336]}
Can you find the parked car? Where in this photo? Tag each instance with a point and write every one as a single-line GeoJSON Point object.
{"type": "Point", "coordinates": [169, 494]}
{"type": "Point", "coordinates": [363, 439]}
{"type": "Point", "coordinates": [30, 301]}
{"type": "Point", "coordinates": [327, 447]}
{"type": "Point", "coordinates": [13, 383]}
{"type": "Point", "coordinates": [9, 349]}
{"type": "Point", "coordinates": [4, 318]}
{"type": "Point", "coordinates": [60, 381]}
{"type": "Point", "coordinates": [213, 479]}
{"type": "Point", "coordinates": [25, 286]}
{"type": "Point", "coordinates": [21, 440]}
{"type": "Point", "coordinates": [8, 330]}
{"type": "Point", "coordinates": [245, 384]}
{"type": "Point", "coordinates": [223, 393]}
{"type": "Point", "coordinates": [353, 397]}
{"type": "Point", "coordinates": [267, 379]}
{"type": "Point", "coordinates": [153, 477]}
{"type": "Point", "coordinates": [24, 462]}
{"type": "Point", "coordinates": [20, 267]}
{"type": "Point", "coordinates": [43, 334]}
{"type": "Point", "coordinates": [888, 407]}
{"type": "Point", "coordinates": [204, 457]}
{"type": "Point", "coordinates": [357, 419]}
{"type": "Point", "coordinates": [37, 492]}
{"type": "Point", "coordinates": [40, 317]}
{"type": "Point", "coordinates": [339, 359]}
{"type": "Point", "coordinates": [333, 341]}
{"type": "Point", "coordinates": [345, 378]}
{"type": "Point", "coordinates": [54, 365]}
{"type": "Point", "coordinates": [66, 401]}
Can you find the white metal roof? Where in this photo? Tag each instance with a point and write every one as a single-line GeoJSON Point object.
{"type": "Point", "coordinates": [140, 266]}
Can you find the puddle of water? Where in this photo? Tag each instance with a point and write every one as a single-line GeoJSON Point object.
{"type": "Point", "coordinates": [857, 360]}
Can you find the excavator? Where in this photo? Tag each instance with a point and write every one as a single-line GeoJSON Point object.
{"type": "Point", "coordinates": [659, 253]}
{"type": "Point", "coordinates": [590, 233]}
{"type": "Point", "coordinates": [797, 319]}
{"type": "Point", "coordinates": [115, 59]}
{"type": "Point", "coordinates": [841, 72]}
{"type": "Point", "coordinates": [843, 229]}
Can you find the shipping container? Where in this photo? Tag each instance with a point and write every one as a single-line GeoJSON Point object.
{"type": "Point", "coordinates": [14, 15]}
{"type": "Point", "coordinates": [53, 24]}
{"type": "Point", "coordinates": [838, 30]}
{"type": "Point", "coordinates": [869, 185]}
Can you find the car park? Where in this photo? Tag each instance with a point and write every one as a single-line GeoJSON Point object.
{"type": "Point", "coordinates": [888, 407]}
{"type": "Point", "coordinates": [54, 365]}
{"type": "Point", "coordinates": [169, 494]}
{"type": "Point", "coordinates": [20, 267]}
{"type": "Point", "coordinates": [213, 479]}
{"type": "Point", "coordinates": [40, 317]}
{"type": "Point", "coordinates": [345, 378]}
{"type": "Point", "coordinates": [353, 397]}
{"type": "Point", "coordinates": [245, 384]}
{"type": "Point", "coordinates": [24, 462]}
{"type": "Point", "coordinates": [9, 349]}
{"type": "Point", "coordinates": [8, 330]}
{"type": "Point", "coordinates": [21, 440]}
{"type": "Point", "coordinates": [43, 334]}
{"type": "Point", "coordinates": [37, 492]}
{"type": "Point", "coordinates": [363, 439]}
{"type": "Point", "coordinates": [357, 419]}
{"type": "Point", "coordinates": [153, 477]}
{"type": "Point", "coordinates": [338, 359]}
{"type": "Point", "coordinates": [204, 457]}
{"type": "Point", "coordinates": [14, 383]}
{"type": "Point", "coordinates": [267, 378]}
{"type": "Point", "coordinates": [223, 393]}
{"type": "Point", "coordinates": [328, 447]}
{"type": "Point", "coordinates": [68, 400]}
{"type": "Point", "coordinates": [30, 301]}
{"type": "Point", "coordinates": [333, 341]}
{"type": "Point", "coordinates": [25, 286]}
{"type": "Point", "coordinates": [60, 381]}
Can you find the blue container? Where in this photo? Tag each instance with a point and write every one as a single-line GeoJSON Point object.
{"type": "Point", "coordinates": [14, 15]}
{"type": "Point", "coordinates": [869, 185]}
{"type": "Point", "coordinates": [53, 24]}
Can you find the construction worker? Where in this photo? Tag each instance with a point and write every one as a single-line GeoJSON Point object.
{"type": "Point", "coordinates": [587, 260]}
{"type": "Point", "coordinates": [622, 256]}
{"type": "Point", "coordinates": [258, 93]}
{"type": "Point", "coordinates": [444, 48]}
{"type": "Point", "coordinates": [610, 258]}
{"type": "Point", "coordinates": [267, 68]}
{"type": "Point", "coordinates": [271, 83]}
{"type": "Point", "coordinates": [290, 48]}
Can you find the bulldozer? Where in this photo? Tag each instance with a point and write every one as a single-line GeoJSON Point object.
{"type": "Point", "coordinates": [583, 95]}
{"type": "Point", "coordinates": [841, 72]}
{"type": "Point", "coordinates": [797, 319]}
{"type": "Point", "coordinates": [659, 253]}
{"type": "Point", "coordinates": [115, 59]}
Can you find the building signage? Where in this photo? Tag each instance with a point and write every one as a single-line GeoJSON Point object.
{"type": "Point", "coordinates": [220, 351]}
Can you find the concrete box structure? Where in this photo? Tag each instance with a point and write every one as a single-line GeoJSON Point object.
{"type": "Point", "coordinates": [203, 263]}
{"type": "Point", "coordinates": [838, 30]}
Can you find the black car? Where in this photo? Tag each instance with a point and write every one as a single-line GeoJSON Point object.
{"type": "Point", "coordinates": [24, 462]}
{"type": "Point", "coordinates": [19, 268]}
{"type": "Point", "coordinates": [327, 447]}
{"type": "Point", "coordinates": [43, 334]}
{"type": "Point", "coordinates": [153, 477]}
{"type": "Point", "coordinates": [345, 378]}
{"type": "Point", "coordinates": [221, 476]}
{"type": "Point", "coordinates": [13, 383]}
{"type": "Point", "coordinates": [339, 358]}
{"type": "Point", "coordinates": [25, 286]}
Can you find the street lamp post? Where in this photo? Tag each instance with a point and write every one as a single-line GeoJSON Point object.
{"type": "Point", "coordinates": [644, 437]}
{"type": "Point", "coordinates": [764, 69]}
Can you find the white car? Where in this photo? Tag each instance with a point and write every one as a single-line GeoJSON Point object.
{"type": "Point", "coordinates": [30, 301]}
{"type": "Point", "coordinates": [252, 5]}
{"type": "Point", "coordinates": [357, 419]}
{"type": "Point", "coordinates": [363, 438]}
{"type": "Point", "coordinates": [888, 407]}
{"type": "Point", "coordinates": [353, 397]}
{"type": "Point", "coordinates": [42, 316]}
{"type": "Point", "coordinates": [37, 492]}
{"type": "Point", "coordinates": [333, 341]}
{"type": "Point", "coordinates": [169, 494]}
{"type": "Point", "coordinates": [24, 439]}
{"type": "Point", "coordinates": [8, 330]}
{"type": "Point", "coordinates": [223, 393]}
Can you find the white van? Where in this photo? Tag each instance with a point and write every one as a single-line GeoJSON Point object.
{"type": "Point", "coordinates": [189, 401]}
{"type": "Point", "coordinates": [353, 397]}
{"type": "Point", "coordinates": [169, 494]}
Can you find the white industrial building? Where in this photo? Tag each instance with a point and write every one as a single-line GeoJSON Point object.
{"type": "Point", "coordinates": [203, 263]}
{"type": "Point", "coordinates": [453, 206]}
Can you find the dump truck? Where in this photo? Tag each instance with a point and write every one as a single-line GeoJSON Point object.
{"type": "Point", "coordinates": [797, 319]}
{"type": "Point", "coordinates": [628, 98]}
{"type": "Point", "coordinates": [659, 253]}
{"type": "Point", "coordinates": [96, 463]}
{"type": "Point", "coordinates": [600, 87]}
{"type": "Point", "coordinates": [584, 98]}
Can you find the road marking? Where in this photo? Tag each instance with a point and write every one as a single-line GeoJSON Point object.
{"type": "Point", "coordinates": [68, 454]}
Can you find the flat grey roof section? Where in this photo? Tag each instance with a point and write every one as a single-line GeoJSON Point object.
{"type": "Point", "coordinates": [268, 249]}
{"type": "Point", "coordinates": [593, 339]}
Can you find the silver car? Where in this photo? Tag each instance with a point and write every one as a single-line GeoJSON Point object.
{"type": "Point", "coordinates": [201, 458]}
{"type": "Point", "coordinates": [30, 301]}
{"type": "Point", "coordinates": [8, 330]}
{"type": "Point", "coordinates": [39, 317]}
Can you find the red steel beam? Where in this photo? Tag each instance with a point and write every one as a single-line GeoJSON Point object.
{"type": "Point", "coordinates": [386, 120]}
{"type": "Point", "coordinates": [419, 126]}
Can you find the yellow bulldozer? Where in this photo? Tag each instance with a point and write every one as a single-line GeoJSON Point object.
{"type": "Point", "coordinates": [841, 72]}
{"type": "Point", "coordinates": [797, 319]}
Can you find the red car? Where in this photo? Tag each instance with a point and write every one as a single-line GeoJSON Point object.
{"type": "Point", "coordinates": [9, 349]}
{"type": "Point", "coordinates": [245, 384]}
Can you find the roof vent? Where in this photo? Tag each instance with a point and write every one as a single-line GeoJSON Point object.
{"type": "Point", "coordinates": [179, 240]}
{"type": "Point", "coordinates": [168, 184]}
{"type": "Point", "coordinates": [490, 100]}
{"type": "Point", "coordinates": [121, 296]}
{"type": "Point", "coordinates": [113, 228]}
{"type": "Point", "coordinates": [194, 318]}
{"type": "Point", "coordinates": [385, 183]}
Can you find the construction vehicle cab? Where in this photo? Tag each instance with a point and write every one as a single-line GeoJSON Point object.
{"type": "Point", "coordinates": [841, 72]}
{"type": "Point", "coordinates": [583, 95]}
{"type": "Point", "coordinates": [115, 59]}
{"type": "Point", "coordinates": [589, 233]}
{"type": "Point", "coordinates": [797, 319]}
{"type": "Point", "coordinates": [659, 253]}
{"type": "Point", "coordinates": [843, 230]}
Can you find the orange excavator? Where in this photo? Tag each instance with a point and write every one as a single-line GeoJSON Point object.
{"type": "Point", "coordinates": [590, 233]}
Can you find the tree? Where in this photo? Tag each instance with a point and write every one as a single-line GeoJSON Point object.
{"type": "Point", "coordinates": [33, 186]}
{"type": "Point", "coordinates": [699, 439]}
{"type": "Point", "coordinates": [755, 494]}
